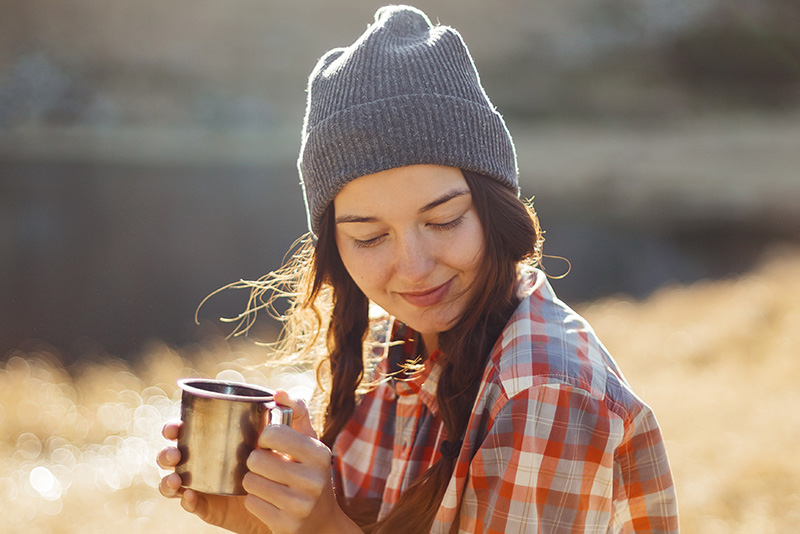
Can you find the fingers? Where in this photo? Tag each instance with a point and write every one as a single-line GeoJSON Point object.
{"type": "Point", "coordinates": [300, 418]}
{"type": "Point", "coordinates": [168, 457]}
{"type": "Point", "coordinates": [190, 501]}
{"type": "Point", "coordinates": [266, 512]}
{"type": "Point", "coordinates": [291, 497]}
{"type": "Point", "coordinates": [306, 476]}
{"type": "Point", "coordinates": [279, 495]}
{"type": "Point", "coordinates": [299, 446]}
{"type": "Point", "coordinates": [283, 508]}
{"type": "Point", "coordinates": [171, 430]}
{"type": "Point", "coordinates": [170, 486]}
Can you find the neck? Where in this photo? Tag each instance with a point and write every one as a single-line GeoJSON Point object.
{"type": "Point", "coordinates": [431, 342]}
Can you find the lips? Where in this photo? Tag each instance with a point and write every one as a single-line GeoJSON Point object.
{"type": "Point", "coordinates": [429, 297]}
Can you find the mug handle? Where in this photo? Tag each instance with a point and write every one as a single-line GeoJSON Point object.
{"type": "Point", "coordinates": [277, 414]}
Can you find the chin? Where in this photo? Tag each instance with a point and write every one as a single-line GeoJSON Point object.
{"type": "Point", "coordinates": [426, 326]}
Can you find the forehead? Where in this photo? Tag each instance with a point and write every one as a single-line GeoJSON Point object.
{"type": "Point", "coordinates": [411, 187]}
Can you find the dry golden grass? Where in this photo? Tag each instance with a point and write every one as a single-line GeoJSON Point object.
{"type": "Point", "coordinates": [716, 360]}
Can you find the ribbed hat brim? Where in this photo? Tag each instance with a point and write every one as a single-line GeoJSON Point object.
{"type": "Point", "coordinates": [396, 132]}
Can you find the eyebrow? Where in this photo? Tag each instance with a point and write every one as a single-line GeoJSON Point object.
{"type": "Point", "coordinates": [450, 195]}
{"type": "Point", "coordinates": [444, 198]}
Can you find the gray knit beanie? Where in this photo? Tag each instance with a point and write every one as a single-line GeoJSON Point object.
{"type": "Point", "coordinates": [405, 93]}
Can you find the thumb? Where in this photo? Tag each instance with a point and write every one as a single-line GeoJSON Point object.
{"type": "Point", "coordinates": [301, 421]}
{"type": "Point", "coordinates": [192, 502]}
{"type": "Point", "coordinates": [213, 509]}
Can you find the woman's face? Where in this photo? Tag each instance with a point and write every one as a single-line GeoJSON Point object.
{"type": "Point", "coordinates": [411, 239]}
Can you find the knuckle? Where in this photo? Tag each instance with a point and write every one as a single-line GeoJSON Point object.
{"type": "Point", "coordinates": [267, 435]}
{"type": "Point", "coordinates": [250, 483]}
{"type": "Point", "coordinates": [164, 489]}
{"type": "Point", "coordinates": [168, 457]}
{"type": "Point", "coordinates": [301, 407]}
{"type": "Point", "coordinates": [253, 460]}
{"type": "Point", "coordinates": [323, 454]}
{"type": "Point", "coordinates": [304, 509]}
{"type": "Point", "coordinates": [318, 483]}
{"type": "Point", "coordinates": [312, 486]}
{"type": "Point", "coordinates": [258, 460]}
{"type": "Point", "coordinates": [170, 430]}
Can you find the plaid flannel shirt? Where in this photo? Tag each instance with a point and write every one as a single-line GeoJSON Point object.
{"type": "Point", "coordinates": [556, 442]}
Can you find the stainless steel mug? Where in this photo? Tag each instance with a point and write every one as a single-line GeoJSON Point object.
{"type": "Point", "coordinates": [221, 424]}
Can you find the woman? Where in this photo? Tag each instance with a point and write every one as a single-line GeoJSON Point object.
{"type": "Point", "coordinates": [481, 403]}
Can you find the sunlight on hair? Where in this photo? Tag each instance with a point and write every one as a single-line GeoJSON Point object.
{"type": "Point", "coordinates": [555, 276]}
{"type": "Point", "coordinates": [266, 291]}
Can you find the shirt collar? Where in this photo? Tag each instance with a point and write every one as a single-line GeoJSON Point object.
{"type": "Point", "coordinates": [422, 382]}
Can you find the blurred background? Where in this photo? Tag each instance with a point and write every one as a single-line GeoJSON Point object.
{"type": "Point", "coordinates": [147, 149]}
{"type": "Point", "coordinates": [147, 158]}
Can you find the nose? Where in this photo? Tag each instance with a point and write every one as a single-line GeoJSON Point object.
{"type": "Point", "coordinates": [414, 259]}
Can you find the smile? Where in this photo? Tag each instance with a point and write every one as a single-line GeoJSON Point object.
{"type": "Point", "coordinates": [427, 298]}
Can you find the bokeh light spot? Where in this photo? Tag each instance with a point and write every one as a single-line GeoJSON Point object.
{"type": "Point", "coordinates": [45, 483]}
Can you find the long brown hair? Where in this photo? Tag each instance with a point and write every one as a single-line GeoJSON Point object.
{"type": "Point", "coordinates": [327, 321]}
{"type": "Point", "coordinates": [511, 234]}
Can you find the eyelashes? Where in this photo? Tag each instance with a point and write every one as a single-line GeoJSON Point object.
{"type": "Point", "coordinates": [440, 227]}
{"type": "Point", "coordinates": [367, 243]}
{"type": "Point", "coordinates": [455, 223]}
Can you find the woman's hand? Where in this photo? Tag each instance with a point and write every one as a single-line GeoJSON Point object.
{"type": "Point", "coordinates": [224, 511]}
{"type": "Point", "coordinates": [289, 484]}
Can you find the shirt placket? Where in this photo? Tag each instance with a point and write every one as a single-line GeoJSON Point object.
{"type": "Point", "coordinates": [409, 411]}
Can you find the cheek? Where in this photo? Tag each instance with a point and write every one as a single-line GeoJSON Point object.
{"type": "Point", "coordinates": [364, 268]}
{"type": "Point", "coordinates": [470, 263]}
{"type": "Point", "coordinates": [467, 252]}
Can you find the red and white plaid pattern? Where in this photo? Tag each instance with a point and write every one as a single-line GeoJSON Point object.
{"type": "Point", "coordinates": [557, 441]}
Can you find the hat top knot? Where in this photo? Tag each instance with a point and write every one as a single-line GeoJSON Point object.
{"type": "Point", "coordinates": [401, 17]}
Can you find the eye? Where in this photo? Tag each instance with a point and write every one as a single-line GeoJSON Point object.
{"type": "Point", "coordinates": [367, 243]}
{"type": "Point", "coordinates": [449, 225]}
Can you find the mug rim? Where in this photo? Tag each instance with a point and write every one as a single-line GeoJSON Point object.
{"type": "Point", "coordinates": [190, 385]}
